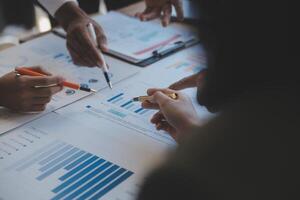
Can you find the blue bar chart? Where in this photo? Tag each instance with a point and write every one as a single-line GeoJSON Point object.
{"type": "Point", "coordinates": [121, 101]}
{"type": "Point", "coordinates": [85, 176]}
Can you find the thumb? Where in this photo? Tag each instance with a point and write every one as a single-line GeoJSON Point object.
{"type": "Point", "coordinates": [161, 99]}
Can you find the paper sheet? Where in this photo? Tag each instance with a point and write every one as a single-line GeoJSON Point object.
{"type": "Point", "coordinates": [59, 158]}
{"type": "Point", "coordinates": [135, 40]}
{"type": "Point", "coordinates": [49, 52]}
{"type": "Point", "coordinates": [117, 105]}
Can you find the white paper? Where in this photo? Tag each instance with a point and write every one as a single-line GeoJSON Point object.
{"type": "Point", "coordinates": [48, 144]}
{"type": "Point", "coordinates": [135, 40]}
{"type": "Point", "coordinates": [117, 105]}
{"type": "Point", "coordinates": [50, 52]}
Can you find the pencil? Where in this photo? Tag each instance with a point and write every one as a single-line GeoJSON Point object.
{"type": "Point", "coordinates": [150, 98]}
{"type": "Point", "coordinates": [30, 72]}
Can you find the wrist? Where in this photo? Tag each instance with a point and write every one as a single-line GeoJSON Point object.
{"type": "Point", "coordinates": [68, 13]}
{"type": "Point", "coordinates": [190, 125]}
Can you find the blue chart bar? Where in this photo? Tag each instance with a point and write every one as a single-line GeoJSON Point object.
{"type": "Point", "coordinates": [139, 110]}
{"type": "Point", "coordinates": [78, 161]}
{"type": "Point", "coordinates": [127, 103]}
{"type": "Point", "coordinates": [102, 184]}
{"type": "Point", "coordinates": [77, 169]}
{"type": "Point", "coordinates": [55, 155]}
{"type": "Point", "coordinates": [41, 156]}
{"type": "Point", "coordinates": [60, 158]}
{"type": "Point", "coordinates": [80, 182]}
{"type": "Point", "coordinates": [60, 165]}
{"type": "Point", "coordinates": [115, 97]}
{"type": "Point", "coordinates": [80, 175]}
{"type": "Point", "coordinates": [112, 186]}
{"type": "Point", "coordinates": [92, 182]}
{"type": "Point", "coordinates": [117, 100]}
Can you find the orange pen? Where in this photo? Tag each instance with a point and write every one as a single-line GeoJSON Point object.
{"type": "Point", "coordinates": [75, 86]}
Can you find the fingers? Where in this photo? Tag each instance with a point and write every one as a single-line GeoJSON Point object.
{"type": "Point", "coordinates": [179, 9]}
{"type": "Point", "coordinates": [89, 48]}
{"type": "Point", "coordinates": [39, 70]}
{"type": "Point", "coordinates": [75, 54]}
{"type": "Point", "coordinates": [157, 117]}
{"type": "Point", "coordinates": [154, 104]}
{"type": "Point", "coordinates": [37, 108]}
{"type": "Point", "coordinates": [188, 82]}
{"type": "Point", "coordinates": [45, 92]}
{"type": "Point", "coordinates": [31, 81]}
{"type": "Point", "coordinates": [41, 100]}
{"type": "Point", "coordinates": [150, 13]}
{"type": "Point", "coordinates": [167, 13]}
{"type": "Point", "coordinates": [82, 48]}
{"type": "Point", "coordinates": [161, 99]}
{"type": "Point", "coordinates": [152, 91]}
{"type": "Point", "coordinates": [149, 105]}
{"type": "Point", "coordinates": [101, 38]}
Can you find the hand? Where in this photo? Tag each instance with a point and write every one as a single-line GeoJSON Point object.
{"type": "Point", "coordinates": [177, 117]}
{"type": "Point", "coordinates": [81, 46]}
{"type": "Point", "coordinates": [19, 94]}
{"type": "Point", "coordinates": [195, 80]}
{"type": "Point", "coordinates": [163, 9]}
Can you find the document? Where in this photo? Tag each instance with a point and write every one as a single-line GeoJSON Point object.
{"type": "Point", "coordinates": [58, 158]}
{"type": "Point", "coordinates": [136, 41]}
{"type": "Point", "coordinates": [50, 52]}
{"type": "Point", "coordinates": [117, 105]}
{"type": "Point", "coordinates": [101, 147]}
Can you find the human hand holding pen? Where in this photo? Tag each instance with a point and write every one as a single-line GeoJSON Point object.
{"type": "Point", "coordinates": [175, 116]}
{"type": "Point", "coordinates": [19, 93]}
{"type": "Point", "coordinates": [82, 48]}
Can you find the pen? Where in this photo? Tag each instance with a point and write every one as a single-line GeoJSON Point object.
{"type": "Point", "coordinates": [104, 67]}
{"type": "Point", "coordinates": [29, 72]}
{"type": "Point", "coordinates": [150, 98]}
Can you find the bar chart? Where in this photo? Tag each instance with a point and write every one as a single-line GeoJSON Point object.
{"type": "Point", "coordinates": [84, 175]}
{"type": "Point", "coordinates": [120, 100]}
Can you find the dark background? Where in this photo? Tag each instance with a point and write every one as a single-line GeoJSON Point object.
{"type": "Point", "coordinates": [21, 12]}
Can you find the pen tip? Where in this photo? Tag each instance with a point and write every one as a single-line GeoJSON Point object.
{"type": "Point", "coordinates": [110, 85]}
{"type": "Point", "coordinates": [93, 90]}
{"type": "Point", "coordinates": [135, 99]}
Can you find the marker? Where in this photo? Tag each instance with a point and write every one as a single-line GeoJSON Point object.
{"type": "Point", "coordinates": [104, 67]}
{"type": "Point", "coordinates": [30, 72]}
{"type": "Point", "coordinates": [150, 98]}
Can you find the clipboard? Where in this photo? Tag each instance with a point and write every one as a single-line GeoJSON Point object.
{"type": "Point", "coordinates": [165, 52]}
{"type": "Point", "coordinates": [157, 54]}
